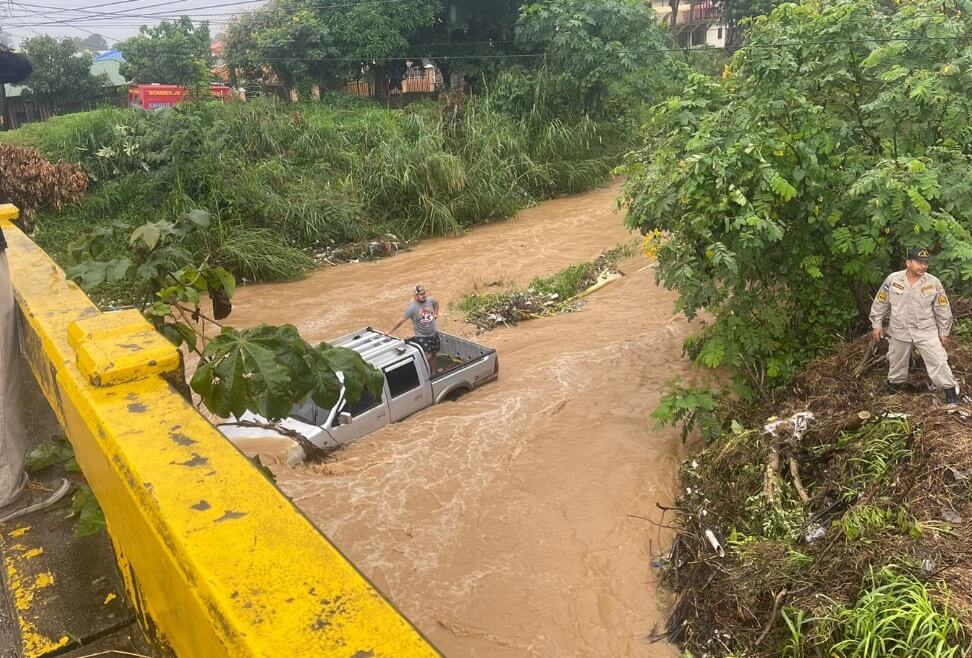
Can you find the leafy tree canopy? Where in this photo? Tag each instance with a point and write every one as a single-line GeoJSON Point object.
{"type": "Point", "coordinates": [596, 43]}
{"type": "Point", "coordinates": [469, 36]}
{"type": "Point", "coordinates": [780, 196]}
{"type": "Point", "coordinates": [91, 42]}
{"type": "Point", "coordinates": [292, 39]}
{"type": "Point", "coordinates": [172, 52]}
{"type": "Point", "coordinates": [61, 75]}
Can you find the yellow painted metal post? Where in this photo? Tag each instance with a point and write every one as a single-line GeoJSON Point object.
{"type": "Point", "coordinates": [216, 560]}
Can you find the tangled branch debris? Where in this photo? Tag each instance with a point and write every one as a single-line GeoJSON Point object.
{"type": "Point", "coordinates": [874, 479]}
{"type": "Point", "coordinates": [382, 247]}
{"type": "Point", "coordinates": [561, 293]}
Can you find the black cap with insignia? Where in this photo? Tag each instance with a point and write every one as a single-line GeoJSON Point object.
{"type": "Point", "coordinates": [920, 254]}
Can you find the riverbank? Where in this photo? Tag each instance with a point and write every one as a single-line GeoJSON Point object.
{"type": "Point", "coordinates": [285, 183]}
{"type": "Point", "coordinates": [832, 518]}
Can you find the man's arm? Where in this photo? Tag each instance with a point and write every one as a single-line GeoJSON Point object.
{"type": "Point", "coordinates": [879, 309]}
{"type": "Point", "coordinates": [943, 313]}
{"type": "Point", "coordinates": [435, 308]}
{"type": "Point", "coordinates": [400, 322]}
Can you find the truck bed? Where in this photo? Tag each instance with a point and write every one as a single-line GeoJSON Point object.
{"type": "Point", "coordinates": [454, 353]}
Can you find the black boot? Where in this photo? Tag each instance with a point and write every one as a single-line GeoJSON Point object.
{"type": "Point", "coordinates": [951, 395]}
{"type": "Point", "coordinates": [895, 387]}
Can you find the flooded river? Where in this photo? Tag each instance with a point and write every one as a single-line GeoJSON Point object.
{"type": "Point", "coordinates": [500, 523]}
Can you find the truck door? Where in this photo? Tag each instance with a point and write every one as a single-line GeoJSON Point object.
{"type": "Point", "coordinates": [367, 415]}
{"type": "Point", "coordinates": [407, 390]}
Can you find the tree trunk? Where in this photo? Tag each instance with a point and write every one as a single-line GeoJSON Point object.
{"type": "Point", "coordinates": [445, 69]}
{"type": "Point", "coordinates": [674, 17]}
{"type": "Point", "coordinates": [381, 79]}
{"type": "Point", "coordinates": [315, 91]}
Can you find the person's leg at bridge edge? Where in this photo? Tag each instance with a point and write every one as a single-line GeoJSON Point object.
{"type": "Point", "coordinates": [16, 498]}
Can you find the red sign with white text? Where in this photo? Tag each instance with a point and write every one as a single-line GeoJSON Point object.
{"type": "Point", "coordinates": [151, 97]}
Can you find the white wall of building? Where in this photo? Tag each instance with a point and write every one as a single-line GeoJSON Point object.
{"type": "Point", "coordinates": [714, 33]}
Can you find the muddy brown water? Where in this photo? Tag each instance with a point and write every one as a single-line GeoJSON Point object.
{"type": "Point", "coordinates": [500, 524]}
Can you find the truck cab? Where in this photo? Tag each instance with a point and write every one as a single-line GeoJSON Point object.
{"type": "Point", "coordinates": [410, 385]}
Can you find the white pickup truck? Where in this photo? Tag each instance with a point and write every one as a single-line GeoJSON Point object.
{"type": "Point", "coordinates": [460, 366]}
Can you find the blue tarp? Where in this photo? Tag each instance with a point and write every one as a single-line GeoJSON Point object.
{"type": "Point", "coordinates": [110, 55]}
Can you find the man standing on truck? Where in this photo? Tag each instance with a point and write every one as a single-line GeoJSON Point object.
{"type": "Point", "coordinates": [423, 312]}
{"type": "Point", "coordinates": [920, 318]}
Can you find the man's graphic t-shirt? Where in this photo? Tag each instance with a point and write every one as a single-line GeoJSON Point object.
{"type": "Point", "coordinates": [423, 317]}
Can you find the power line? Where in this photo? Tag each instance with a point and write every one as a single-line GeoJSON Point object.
{"type": "Point", "coordinates": [80, 29]}
{"type": "Point", "coordinates": [32, 11]}
{"type": "Point", "coordinates": [235, 3]}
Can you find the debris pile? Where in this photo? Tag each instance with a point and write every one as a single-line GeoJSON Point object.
{"type": "Point", "coordinates": [785, 515]}
{"type": "Point", "coordinates": [560, 293]}
{"type": "Point", "coordinates": [381, 247]}
{"type": "Point", "coordinates": [516, 306]}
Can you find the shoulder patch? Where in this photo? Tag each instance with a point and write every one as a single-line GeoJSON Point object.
{"type": "Point", "coordinates": [942, 300]}
{"type": "Point", "coordinates": [882, 296]}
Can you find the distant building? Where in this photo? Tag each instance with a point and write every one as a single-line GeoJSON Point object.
{"type": "Point", "coordinates": [19, 109]}
{"type": "Point", "coordinates": [696, 23]}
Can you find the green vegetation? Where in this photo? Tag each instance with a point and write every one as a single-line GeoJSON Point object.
{"type": "Point", "coordinates": [544, 295]}
{"type": "Point", "coordinates": [804, 515]}
{"type": "Point", "coordinates": [174, 52]}
{"type": "Point", "coordinates": [776, 199]}
{"type": "Point", "coordinates": [896, 616]}
{"type": "Point", "coordinates": [277, 178]}
{"type": "Point", "coordinates": [62, 76]}
{"type": "Point", "coordinates": [265, 369]}
{"type": "Point", "coordinates": [789, 188]}
{"type": "Point", "coordinates": [57, 453]}
{"type": "Point", "coordinates": [303, 41]}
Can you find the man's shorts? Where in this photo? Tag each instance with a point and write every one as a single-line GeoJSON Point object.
{"type": "Point", "coordinates": [429, 344]}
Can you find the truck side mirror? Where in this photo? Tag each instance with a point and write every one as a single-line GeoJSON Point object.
{"type": "Point", "coordinates": [344, 418]}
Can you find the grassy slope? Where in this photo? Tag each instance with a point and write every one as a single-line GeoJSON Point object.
{"type": "Point", "coordinates": [279, 178]}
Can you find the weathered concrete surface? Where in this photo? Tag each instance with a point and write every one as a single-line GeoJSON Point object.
{"type": "Point", "coordinates": [62, 594]}
{"type": "Point", "coordinates": [198, 531]}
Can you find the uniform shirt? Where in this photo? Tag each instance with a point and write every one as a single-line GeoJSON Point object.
{"type": "Point", "coordinates": [916, 310]}
{"type": "Point", "coordinates": [422, 315]}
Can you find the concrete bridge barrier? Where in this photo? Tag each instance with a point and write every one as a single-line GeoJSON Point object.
{"type": "Point", "coordinates": [217, 562]}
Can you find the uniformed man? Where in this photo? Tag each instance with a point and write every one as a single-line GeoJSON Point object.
{"type": "Point", "coordinates": [921, 319]}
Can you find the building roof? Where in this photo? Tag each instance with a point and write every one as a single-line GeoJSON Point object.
{"type": "Point", "coordinates": [109, 54]}
{"type": "Point", "coordinates": [107, 66]}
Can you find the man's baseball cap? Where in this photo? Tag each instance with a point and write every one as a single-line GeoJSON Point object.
{"type": "Point", "coordinates": [920, 254]}
{"type": "Point", "coordinates": [419, 290]}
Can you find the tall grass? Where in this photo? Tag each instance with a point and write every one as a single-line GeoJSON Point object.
{"type": "Point", "coordinates": [896, 616]}
{"type": "Point", "coordinates": [281, 178]}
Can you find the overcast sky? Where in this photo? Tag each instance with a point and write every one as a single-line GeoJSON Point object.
{"type": "Point", "coordinates": [113, 19]}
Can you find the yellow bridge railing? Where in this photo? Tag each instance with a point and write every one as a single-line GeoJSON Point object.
{"type": "Point", "coordinates": [216, 561]}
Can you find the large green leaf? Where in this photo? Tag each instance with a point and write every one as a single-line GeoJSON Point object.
{"type": "Point", "coordinates": [268, 369]}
